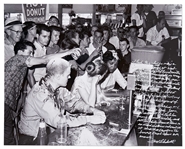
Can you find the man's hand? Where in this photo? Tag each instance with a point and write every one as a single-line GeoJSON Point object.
{"type": "Point", "coordinates": [74, 64]}
{"type": "Point", "coordinates": [99, 117]}
{"type": "Point", "coordinates": [95, 53]}
{"type": "Point", "coordinates": [76, 53]}
{"type": "Point", "coordinates": [96, 119]}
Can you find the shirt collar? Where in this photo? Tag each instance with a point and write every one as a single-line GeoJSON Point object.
{"type": "Point", "coordinates": [38, 45]}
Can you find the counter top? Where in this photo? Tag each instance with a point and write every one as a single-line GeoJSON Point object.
{"type": "Point", "coordinates": [107, 134]}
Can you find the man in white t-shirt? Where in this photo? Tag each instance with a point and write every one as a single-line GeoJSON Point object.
{"type": "Point", "coordinates": [97, 42]}
{"type": "Point", "coordinates": [43, 36]}
{"type": "Point", "coordinates": [158, 34]}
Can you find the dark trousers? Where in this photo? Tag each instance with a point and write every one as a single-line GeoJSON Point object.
{"type": "Point", "coordinates": [8, 127]}
{"type": "Point", "coordinates": [26, 140]}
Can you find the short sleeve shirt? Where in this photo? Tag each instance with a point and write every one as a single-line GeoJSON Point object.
{"type": "Point", "coordinates": [139, 43]}
{"type": "Point", "coordinates": [91, 48]}
{"type": "Point", "coordinates": [155, 37]}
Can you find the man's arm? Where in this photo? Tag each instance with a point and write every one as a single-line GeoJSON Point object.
{"type": "Point", "coordinates": [149, 38]}
{"type": "Point", "coordinates": [94, 55]}
{"type": "Point", "coordinates": [166, 36]}
{"type": "Point", "coordinates": [164, 41]}
{"type": "Point", "coordinates": [51, 113]}
{"type": "Point", "coordinates": [74, 104]}
{"type": "Point", "coordinates": [120, 79]}
{"type": "Point", "coordinates": [30, 77]}
{"type": "Point", "coordinates": [31, 61]}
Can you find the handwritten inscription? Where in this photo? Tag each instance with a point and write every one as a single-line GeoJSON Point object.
{"type": "Point", "coordinates": [160, 121]}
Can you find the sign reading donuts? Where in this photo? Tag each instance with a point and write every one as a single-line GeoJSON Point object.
{"type": "Point", "coordinates": [35, 12]}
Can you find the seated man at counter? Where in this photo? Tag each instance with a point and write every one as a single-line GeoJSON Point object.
{"type": "Point", "coordinates": [42, 100]}
{"type": "Point", "coordinates": [158, 34]}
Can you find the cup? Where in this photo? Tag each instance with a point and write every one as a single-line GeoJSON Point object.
{"type": "Point", "coordinates": [61, 133]}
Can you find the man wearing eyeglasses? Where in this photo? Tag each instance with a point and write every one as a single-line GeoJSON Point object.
{"type": "Point", "coordinates": [13, 31]}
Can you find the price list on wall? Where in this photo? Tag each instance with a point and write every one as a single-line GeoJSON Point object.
{"type": "Point", "coordinates": [160, 121]}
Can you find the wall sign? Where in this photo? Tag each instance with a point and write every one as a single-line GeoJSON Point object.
{"type": "Point", "coordinates": [35, 12]}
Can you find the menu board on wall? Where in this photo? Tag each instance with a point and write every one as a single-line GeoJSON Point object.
{"type": "Point", "coordinates": [35, 12]}
{"type": "Point", "coordinates": [160, 121]}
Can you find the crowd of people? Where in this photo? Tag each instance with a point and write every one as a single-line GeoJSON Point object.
{"type": "Point", "coordinates": [44, 62]}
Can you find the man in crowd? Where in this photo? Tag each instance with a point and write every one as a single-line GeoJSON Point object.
{"type": "Point", "coordinates": [79, 27]}
{"type": "Point", "coordinates": [29, 31]}
{"type": "Point", "coordinates": [150, 17]}
{"type": "Point", "coordinates": [158, 34]}
{"type": "Point", "coordinates": [106, 37]}
{"type": "Point", "coordinates": [13, 30]}
{"type": "Point", "coordinates": [53, 21]}
{"type": "Point", "coordinates": [124, 55]}
{"type": "Point", "coordinates": [137, 19]}
{"type": "Point", "coordinates": [115, 39]}
{"type": "Point", "coordinates": [161, 14]}
{"type": "Point", "coordinates": [97, 42]}
{"type": "Point", "coordinates": [43, 37]}
{"type": "Point", "coordinates": [29, 34]}
{"type": "Point", "coordinates": [49, 92]}
{"type": "Point", "coordinates": [93, 29]}
{"type": "Point", "coordinates": [55, 35]}
{"type": "Point", "coordinates": [133, 38]}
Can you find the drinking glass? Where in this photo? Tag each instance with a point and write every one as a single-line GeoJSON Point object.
{"type": "Point", "coordinates": [61, 131]}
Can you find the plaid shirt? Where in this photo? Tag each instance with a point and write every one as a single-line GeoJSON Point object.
{"type": "Point", "coordinates": [15, 71]}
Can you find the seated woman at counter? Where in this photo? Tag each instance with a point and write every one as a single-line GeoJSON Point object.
{"type": "Point", "coordinates": [85, 86]}
{"type": "Point", "coordinates": [45, 98]}
{"type": "Point", "coordinates": [113, 75]}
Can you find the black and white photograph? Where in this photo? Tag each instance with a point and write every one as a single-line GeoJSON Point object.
{"type": "Point", "coordinates": [83, 74]}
